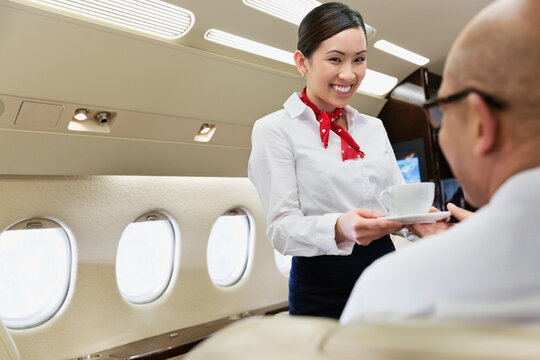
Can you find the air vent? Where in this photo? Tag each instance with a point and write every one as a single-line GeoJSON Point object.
{"type": "Point", "coordinates": [151, 17]}
{"type": "Point", "coordinates": [409, 93]}
{"type": "Point", "coordinates": [293, 11]}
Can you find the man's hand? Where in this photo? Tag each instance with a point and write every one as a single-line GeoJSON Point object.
{"type": "Point", "coordinates": [427, 229]}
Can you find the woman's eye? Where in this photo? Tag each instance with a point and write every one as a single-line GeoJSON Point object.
{"type": "Point", "coordinates": [359, 59]}
{"type": "Point", "coordinates": [335, 59]}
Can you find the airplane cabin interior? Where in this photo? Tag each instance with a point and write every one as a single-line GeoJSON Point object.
{"type": "Point", "coordinates": [129, 228]}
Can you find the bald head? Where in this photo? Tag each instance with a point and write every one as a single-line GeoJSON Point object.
{"type": "Point", "coordinates": [499, 52]}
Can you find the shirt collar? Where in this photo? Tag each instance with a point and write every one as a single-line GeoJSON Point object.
{"type": "Point", "coordinates": [295, 107]}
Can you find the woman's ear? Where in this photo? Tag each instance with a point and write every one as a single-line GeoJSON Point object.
{"type": "Point", "coordinates": [300, 61]}
{"type": "Point", "coordinates": [487, 125]}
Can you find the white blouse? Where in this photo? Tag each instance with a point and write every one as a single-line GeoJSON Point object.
{"type": "Point", "coordinates": [304, 187]}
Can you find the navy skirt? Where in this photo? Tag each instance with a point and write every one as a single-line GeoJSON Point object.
{"type": "Point", "coordinates": [321, 285]}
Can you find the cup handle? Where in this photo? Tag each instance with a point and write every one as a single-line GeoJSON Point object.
{"type": "Point", "coordinates": [385, 199]}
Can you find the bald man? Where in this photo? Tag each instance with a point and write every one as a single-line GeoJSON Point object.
{"type": "Point", "coordinates": [488, 265]}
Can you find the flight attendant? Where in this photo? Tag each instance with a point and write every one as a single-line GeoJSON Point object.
{"type": "Point", "coordinates": [319, 165]}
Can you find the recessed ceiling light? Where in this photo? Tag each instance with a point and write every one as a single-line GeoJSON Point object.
{"type": "Point", "coordinates": [292, 11]}
{"type": "Point", "coordinates": [374, 82]}
{"type": "Point", "coordinates": [152, 17]}
{"type": "Point", "coordinates": [400, 52]}
{"type": "Point", "coordinates": [254, 47]}
{"type": "Point", "coordinates": [205, 133]}
{"type": "Point", "coordinates": [80, 114]}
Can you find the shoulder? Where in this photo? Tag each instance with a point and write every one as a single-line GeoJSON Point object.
{"type": "Point", "coordinates": [275, 119]}
{"type": "Point", "coordinates": [279, 120]}
{"type": "Point", "coordinates": [271, 124]}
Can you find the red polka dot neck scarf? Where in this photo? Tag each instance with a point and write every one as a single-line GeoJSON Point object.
{"type": "Point", "coordinates": [349, 148]}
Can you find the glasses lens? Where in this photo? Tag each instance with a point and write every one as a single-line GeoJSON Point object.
{"type": "Point", "coordinates": [435, 116]}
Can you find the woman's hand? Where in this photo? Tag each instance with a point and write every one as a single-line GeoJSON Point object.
{"type": "Point", "coordinates": [422, 230]}
{"type": "Point", "coordinates": [363, 226]}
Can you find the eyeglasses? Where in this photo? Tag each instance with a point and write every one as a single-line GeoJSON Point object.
{"type": "Point", "coordinates": [432, 107]}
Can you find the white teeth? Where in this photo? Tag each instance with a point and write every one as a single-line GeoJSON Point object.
{"type": "Point", "coordinates": [342, 89]}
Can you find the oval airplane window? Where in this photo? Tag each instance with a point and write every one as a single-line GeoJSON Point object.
{"type": "Point", "coordinates": [228, 248]}
{"type": "Point", "coordinates": [145, 258]}
{"type": "Point", "coordinates": [35, 272]}
{"type": "Point", "coordinates": [283, 262]}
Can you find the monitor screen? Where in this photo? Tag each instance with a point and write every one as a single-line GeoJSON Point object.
{"type": "Point", "coordinates": [411, 158]}
{"type": "Point", "coordinates": [410, 169]}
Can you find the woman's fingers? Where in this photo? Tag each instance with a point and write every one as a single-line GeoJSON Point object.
{"type": "Point", "coordinates": [369, 229]}
{"type": "Point", "coordinates": [363, 226]}
{"type": "Point", "coordinates": [369, 213]}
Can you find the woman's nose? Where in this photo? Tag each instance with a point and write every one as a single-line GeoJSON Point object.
{"type": "Point", "coordinates": [347, 74]}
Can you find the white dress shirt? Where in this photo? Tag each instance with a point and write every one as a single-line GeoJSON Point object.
{"type": "Point", "coordinates": [304, 187]}
{"type": "Point", "coordinates": [491, 260]}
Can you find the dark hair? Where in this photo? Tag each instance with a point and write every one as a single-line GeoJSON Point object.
{"type": "Point", "coordinates": [325, 21]}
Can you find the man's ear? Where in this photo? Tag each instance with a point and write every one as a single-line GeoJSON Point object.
{"type": "Point", "coordinates": [300, 61]}
{"type": "Point", "coordinates": [486, 127]}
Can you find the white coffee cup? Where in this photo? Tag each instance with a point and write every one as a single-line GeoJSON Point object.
{"type": "Point", "coordinates": [408, 199]}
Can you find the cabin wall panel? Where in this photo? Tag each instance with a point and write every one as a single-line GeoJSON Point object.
{"type": "Point", "coordinates": [96, 210]}
{"type": "Point", "coordinates": [40, 153]}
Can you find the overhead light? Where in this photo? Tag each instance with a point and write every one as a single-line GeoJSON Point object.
{"type": "Point", "coordinates": [400, 52]}
{"type": "Point", "coordinates": [205, 133]}
{"type": "Point", "coordinates": [152, 17]}
{"type": "Point", "coordinates": [377, 83]}
{"type": "Point", "coordinates": [205, 129]}
{"type": "Point", "coordinates": [254, 47]}
{"type": "Point", "coordinates": [80, 114]}
{"type": "Point", "coordinates": [374, 82]}
{"type": "Point", "coordinates": [293, 11]}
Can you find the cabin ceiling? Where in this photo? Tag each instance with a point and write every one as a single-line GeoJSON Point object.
{"type": "Point", "coordinates": [427, 27]}
{"type": "Point", "coordinates": [161, 91]}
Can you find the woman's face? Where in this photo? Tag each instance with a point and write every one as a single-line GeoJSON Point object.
{"type": "Point", "coordinates": [336, 69]}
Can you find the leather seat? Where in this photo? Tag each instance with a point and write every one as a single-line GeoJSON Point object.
{"type": "Point", "coordinates": [288, 338]}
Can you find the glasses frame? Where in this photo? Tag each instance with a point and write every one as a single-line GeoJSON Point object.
{"type": "Point", "coordinates": [437, 102]}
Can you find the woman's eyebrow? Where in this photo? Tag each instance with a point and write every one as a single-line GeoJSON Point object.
{"type": "Point", "coordinates": [342, 53]}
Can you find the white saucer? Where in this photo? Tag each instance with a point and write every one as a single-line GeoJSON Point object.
{"type": "Point", "coordinates": [419, 218]}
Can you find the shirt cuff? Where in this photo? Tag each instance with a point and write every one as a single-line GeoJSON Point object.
{"type": "Point", "coordinates": [326, 236]}
{"type": "Point", "coordinates": [405, 233]}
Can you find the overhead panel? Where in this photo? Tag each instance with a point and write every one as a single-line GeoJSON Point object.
{"type": "Point", "coordinates": [40, 115]}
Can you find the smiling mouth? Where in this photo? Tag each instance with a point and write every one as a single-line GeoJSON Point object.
{"type": "Point", "coordinates": [340, 89]}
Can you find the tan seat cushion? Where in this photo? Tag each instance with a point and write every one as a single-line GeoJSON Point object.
{"type": "Point", "coordinates": [288, 338]}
